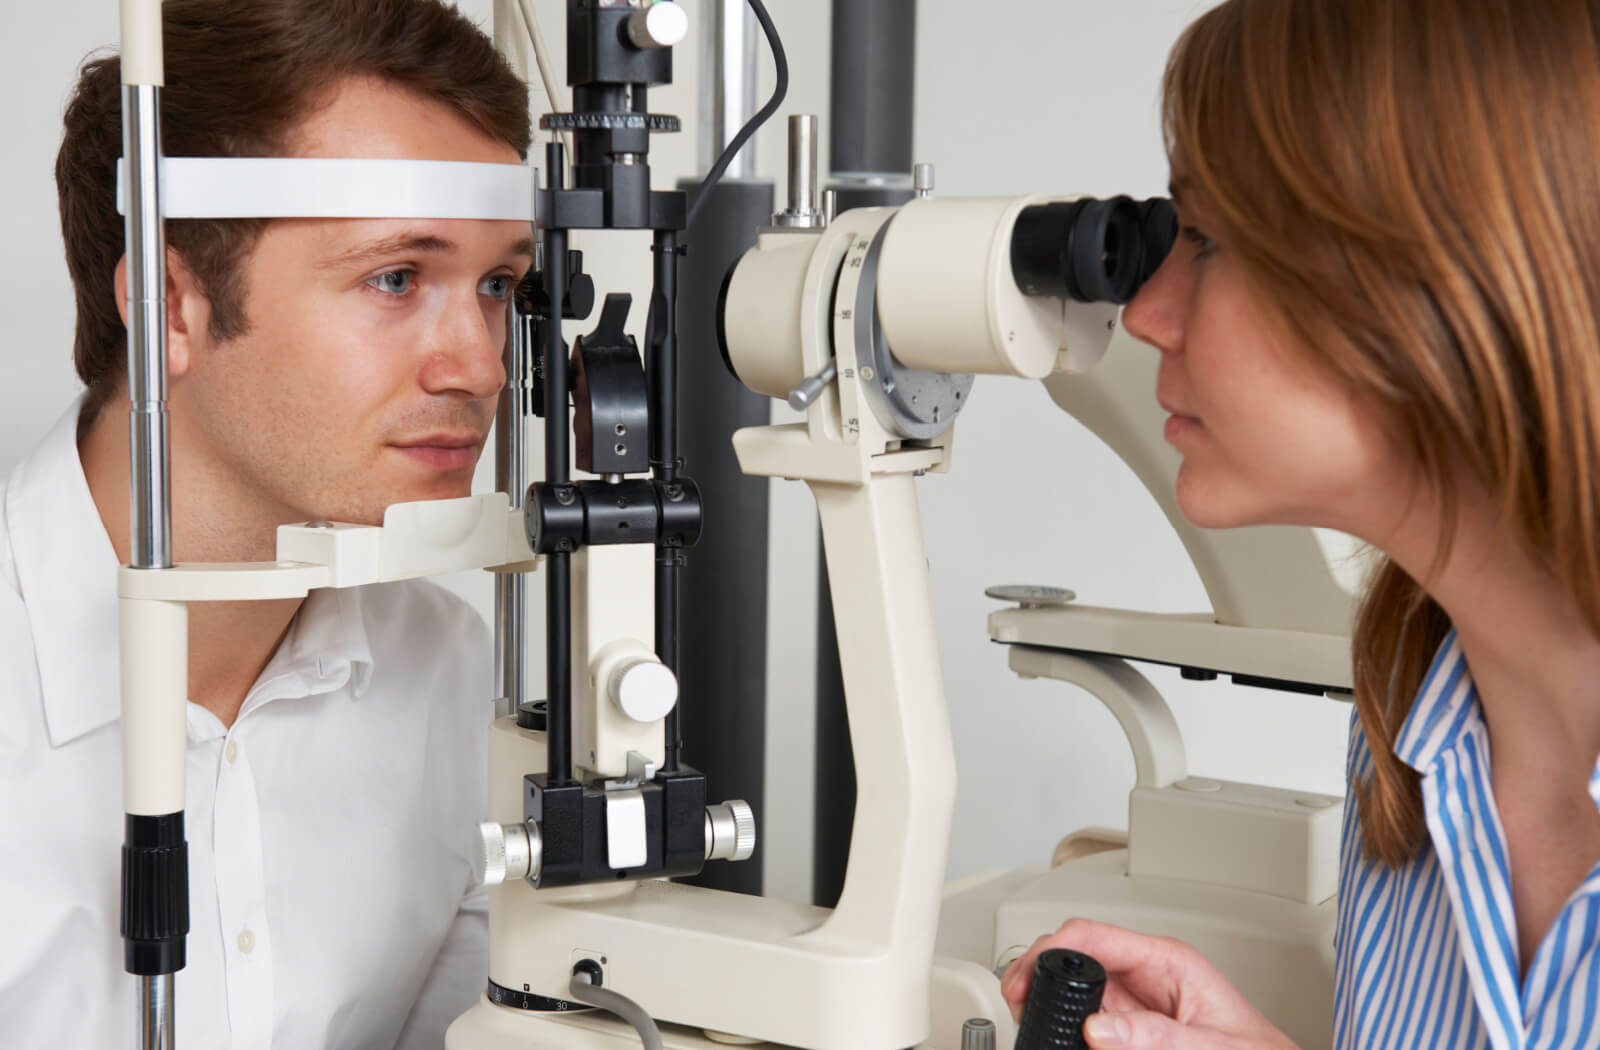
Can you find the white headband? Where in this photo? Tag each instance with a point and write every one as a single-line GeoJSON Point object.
{"type": "Point", "coordinates": [331, 188]}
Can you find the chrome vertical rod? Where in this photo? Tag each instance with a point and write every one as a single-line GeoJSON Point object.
{"type": "Point", "coordinates": [155, 1012]}
{"type": "Point", "coordinates": [730, 102]}
{"type": "Point", "coordinates": [803, 191]}
{"type": "Point", "coordinates": [150, 495]}
{"type": "Point", "coordinates": [511, 477]}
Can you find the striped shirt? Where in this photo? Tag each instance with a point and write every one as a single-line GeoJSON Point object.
{"type": "Point", "coordinates": [1427, 953]}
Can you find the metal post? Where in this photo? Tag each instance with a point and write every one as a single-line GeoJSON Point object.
{"type": "Point", "coordinates": [149, 458]}
{"type": "Point", "coordinates": [729, 99]}
{"type": "Point", "coordinates": [511, 477]}
{"type": "Point", "coordinates": [557, 471]}
{"type": "Point", "coordinates": [661, 370]}
{"type": "Point", "coordinates": [154, 855]}
{"type": "Point", "coordinates": [155, 1012]}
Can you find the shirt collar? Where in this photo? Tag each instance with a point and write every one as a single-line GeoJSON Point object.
{"type": "Point", "coordinates": [67, 575]}
{"type": "Point", "coordinates": [325, 649]}
{"type": "Point", "coordinates": [1445, 708]}
{"type": "Point", "coordinates": [66, 570]}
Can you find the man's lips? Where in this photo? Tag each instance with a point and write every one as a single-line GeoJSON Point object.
{"type": "Point", "coordinates": [442, 451]}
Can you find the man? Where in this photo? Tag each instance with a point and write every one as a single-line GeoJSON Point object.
{"type": "Point", "coordinates": [320, 369]}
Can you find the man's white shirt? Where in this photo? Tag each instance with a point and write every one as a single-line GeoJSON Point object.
{"type": "Point", "coordinates": [330, 829]}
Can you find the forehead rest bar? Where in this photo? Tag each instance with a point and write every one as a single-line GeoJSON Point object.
{"type": "Point", "coordinates": [338, 188]}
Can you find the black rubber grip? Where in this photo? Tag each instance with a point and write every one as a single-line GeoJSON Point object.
{"type": "Point", "coordinates": [1067, 987]}
{"type": "Point", "coordinates": [155, 894]}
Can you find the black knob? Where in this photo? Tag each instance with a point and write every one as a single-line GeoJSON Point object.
{"type": "Point", "coordinates": [1066, 989]}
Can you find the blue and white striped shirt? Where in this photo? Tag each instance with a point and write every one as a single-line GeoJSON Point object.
{"type": "Point", "coordinates": [1427, 953]}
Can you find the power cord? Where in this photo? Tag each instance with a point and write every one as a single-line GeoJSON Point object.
{"type": "Point", "coordinates": [583, 990]}
{"type": "Point", "coordinates": [780, 89]}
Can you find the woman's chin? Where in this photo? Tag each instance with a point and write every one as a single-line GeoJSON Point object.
{"type": "Point", "coordinates": [1210, 506]}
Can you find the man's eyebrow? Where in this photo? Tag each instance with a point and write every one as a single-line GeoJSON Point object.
{"type": "Point", "coordinates": [523, 247]}
{"type": "Point", "coordinates": [398, 244]}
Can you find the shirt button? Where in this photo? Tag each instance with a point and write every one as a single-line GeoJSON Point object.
{"type": "Point", "coordinates": [247, 942]}
{"type": "Point", "coordinates": [231, 752]}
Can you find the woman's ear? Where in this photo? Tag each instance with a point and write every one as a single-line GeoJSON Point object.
{"type": "Point", "coordinates": [188, 309]}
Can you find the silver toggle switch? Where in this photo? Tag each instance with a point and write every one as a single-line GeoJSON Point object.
{"type": "Point", "coordinates": [805, 395]}
{"type": "Point", "coordinates": [730, 831]}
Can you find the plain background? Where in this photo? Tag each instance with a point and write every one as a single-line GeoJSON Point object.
{"type": "Point", "coordinates": [1014, 96]}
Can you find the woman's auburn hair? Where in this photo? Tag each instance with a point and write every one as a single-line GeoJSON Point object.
{"type": "Point", "coordinates": [1412, 188]}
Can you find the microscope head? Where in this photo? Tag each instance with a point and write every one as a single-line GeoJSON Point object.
{"type": "Point", "coordinates": [918, 299]}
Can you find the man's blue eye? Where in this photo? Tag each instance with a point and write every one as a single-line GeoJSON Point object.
{"type": "Point", "coordinates": [496, 287]}
{"type": "Point", "coordinates": [394, 282]}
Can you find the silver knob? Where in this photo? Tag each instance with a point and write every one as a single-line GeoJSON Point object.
{"type": "Point", "coordinates": [977, 1034]}
{"type": "Point", "coordinates": [730, 831]}
{"type": "Point", "coordinates": [805, 395]}
{"type": "Point", "coordinates": [922, 181]}
{"type": "Point", "coordinates": [509, 851]}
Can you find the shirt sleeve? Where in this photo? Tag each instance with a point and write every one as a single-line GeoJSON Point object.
{"type": "Point", "coordinates": [457, 978]}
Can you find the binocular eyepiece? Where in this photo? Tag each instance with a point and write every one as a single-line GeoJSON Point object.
{"type": "Point", "coordinates": [1092, 251]}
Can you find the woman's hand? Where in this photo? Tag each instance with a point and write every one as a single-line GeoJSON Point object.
{"type": "Point", "coordinates": [1161, 994]}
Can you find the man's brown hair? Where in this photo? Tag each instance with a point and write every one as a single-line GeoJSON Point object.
{"type": "Point", "coordinates": [239, 78]}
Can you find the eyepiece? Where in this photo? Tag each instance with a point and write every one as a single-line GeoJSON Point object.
{"type": "Point", "coordinates": [1067, 987]}
{"type": "Point", "coordinates": [1090, 250]}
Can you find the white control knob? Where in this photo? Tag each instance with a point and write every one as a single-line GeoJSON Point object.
{"type": "Point", "coordinates": [662, 24]}
{"type": "Point", "coordinates": [644, 689]}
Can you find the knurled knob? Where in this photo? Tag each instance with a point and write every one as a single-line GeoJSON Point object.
{"type": "Point", "coordinates": [1067, 988]}
{"type": "Point", "coordinates": [507, 851]}
{"type": "Point", "coordinates": [730, 831]}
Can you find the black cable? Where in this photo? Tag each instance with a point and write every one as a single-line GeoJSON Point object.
{"type": "Point", "coordinates": [780, 89]}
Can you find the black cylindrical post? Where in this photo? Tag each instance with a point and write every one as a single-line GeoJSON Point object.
{"type": "Point", "coordinates": [723, 645]}
{"type": "Point", "coordinates": [874, 68]}
{"type": "Point", "coordinates": [662, 373]}
{"type": "Point", "coordinates": [558, 567]}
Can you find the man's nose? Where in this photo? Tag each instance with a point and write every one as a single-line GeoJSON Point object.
{"type": "Point", "coordinates": [1156, 315]}
{"type": "Point", "coordinates": [466, 357]}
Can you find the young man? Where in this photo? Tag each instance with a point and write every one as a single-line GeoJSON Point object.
{"type": "Point", "coordinates": [320, 369]}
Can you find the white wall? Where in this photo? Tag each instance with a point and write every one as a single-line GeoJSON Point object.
{"type": "Point", "coordinates": [1029, 95]}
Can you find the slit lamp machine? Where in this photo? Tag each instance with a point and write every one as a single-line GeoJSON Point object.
{"type": "Point", "coordinates": [873, 322]}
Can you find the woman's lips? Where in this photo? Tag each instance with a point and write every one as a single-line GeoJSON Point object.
{"type": "Point", "coordinates": [1178, 425]}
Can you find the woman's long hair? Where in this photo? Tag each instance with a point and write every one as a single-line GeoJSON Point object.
{"type": "Point", "coordinates": [1414, 188]}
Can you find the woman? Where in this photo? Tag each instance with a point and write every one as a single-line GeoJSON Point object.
{"type": "Point", "coordinates": [1384, 318]}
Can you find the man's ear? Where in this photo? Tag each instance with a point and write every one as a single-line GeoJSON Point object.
{"type": "Point", "coordinates": [188, 310]}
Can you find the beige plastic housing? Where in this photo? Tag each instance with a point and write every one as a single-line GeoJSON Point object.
{"type": "Point", "coordinates": [865, 965]}
{"type": "Point", "coordinates": [949, 298]}
{"type": "Point", "coordinates": [614, 605]}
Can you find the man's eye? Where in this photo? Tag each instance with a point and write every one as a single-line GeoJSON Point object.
{"type": "Point", "coordinates": [394, 282]}
{"type": "Point", "coordinates": [496, 287]}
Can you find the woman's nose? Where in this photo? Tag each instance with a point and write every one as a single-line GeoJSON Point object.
{"type": "Point", "coordinates": [1156, 315]}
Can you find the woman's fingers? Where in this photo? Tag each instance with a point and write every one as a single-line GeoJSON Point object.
{"type": "Point", "coordinates": [1148, 968]}
{"type": "Point", "coordinates": [1148, 1030]}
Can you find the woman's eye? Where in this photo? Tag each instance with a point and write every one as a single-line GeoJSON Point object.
{"type": "Point", "coordinates": [496, 287]}
{"type": "Point", "coordinates": [1203, 245]}
{"type": "Point", "coordinates": [392, 282]}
